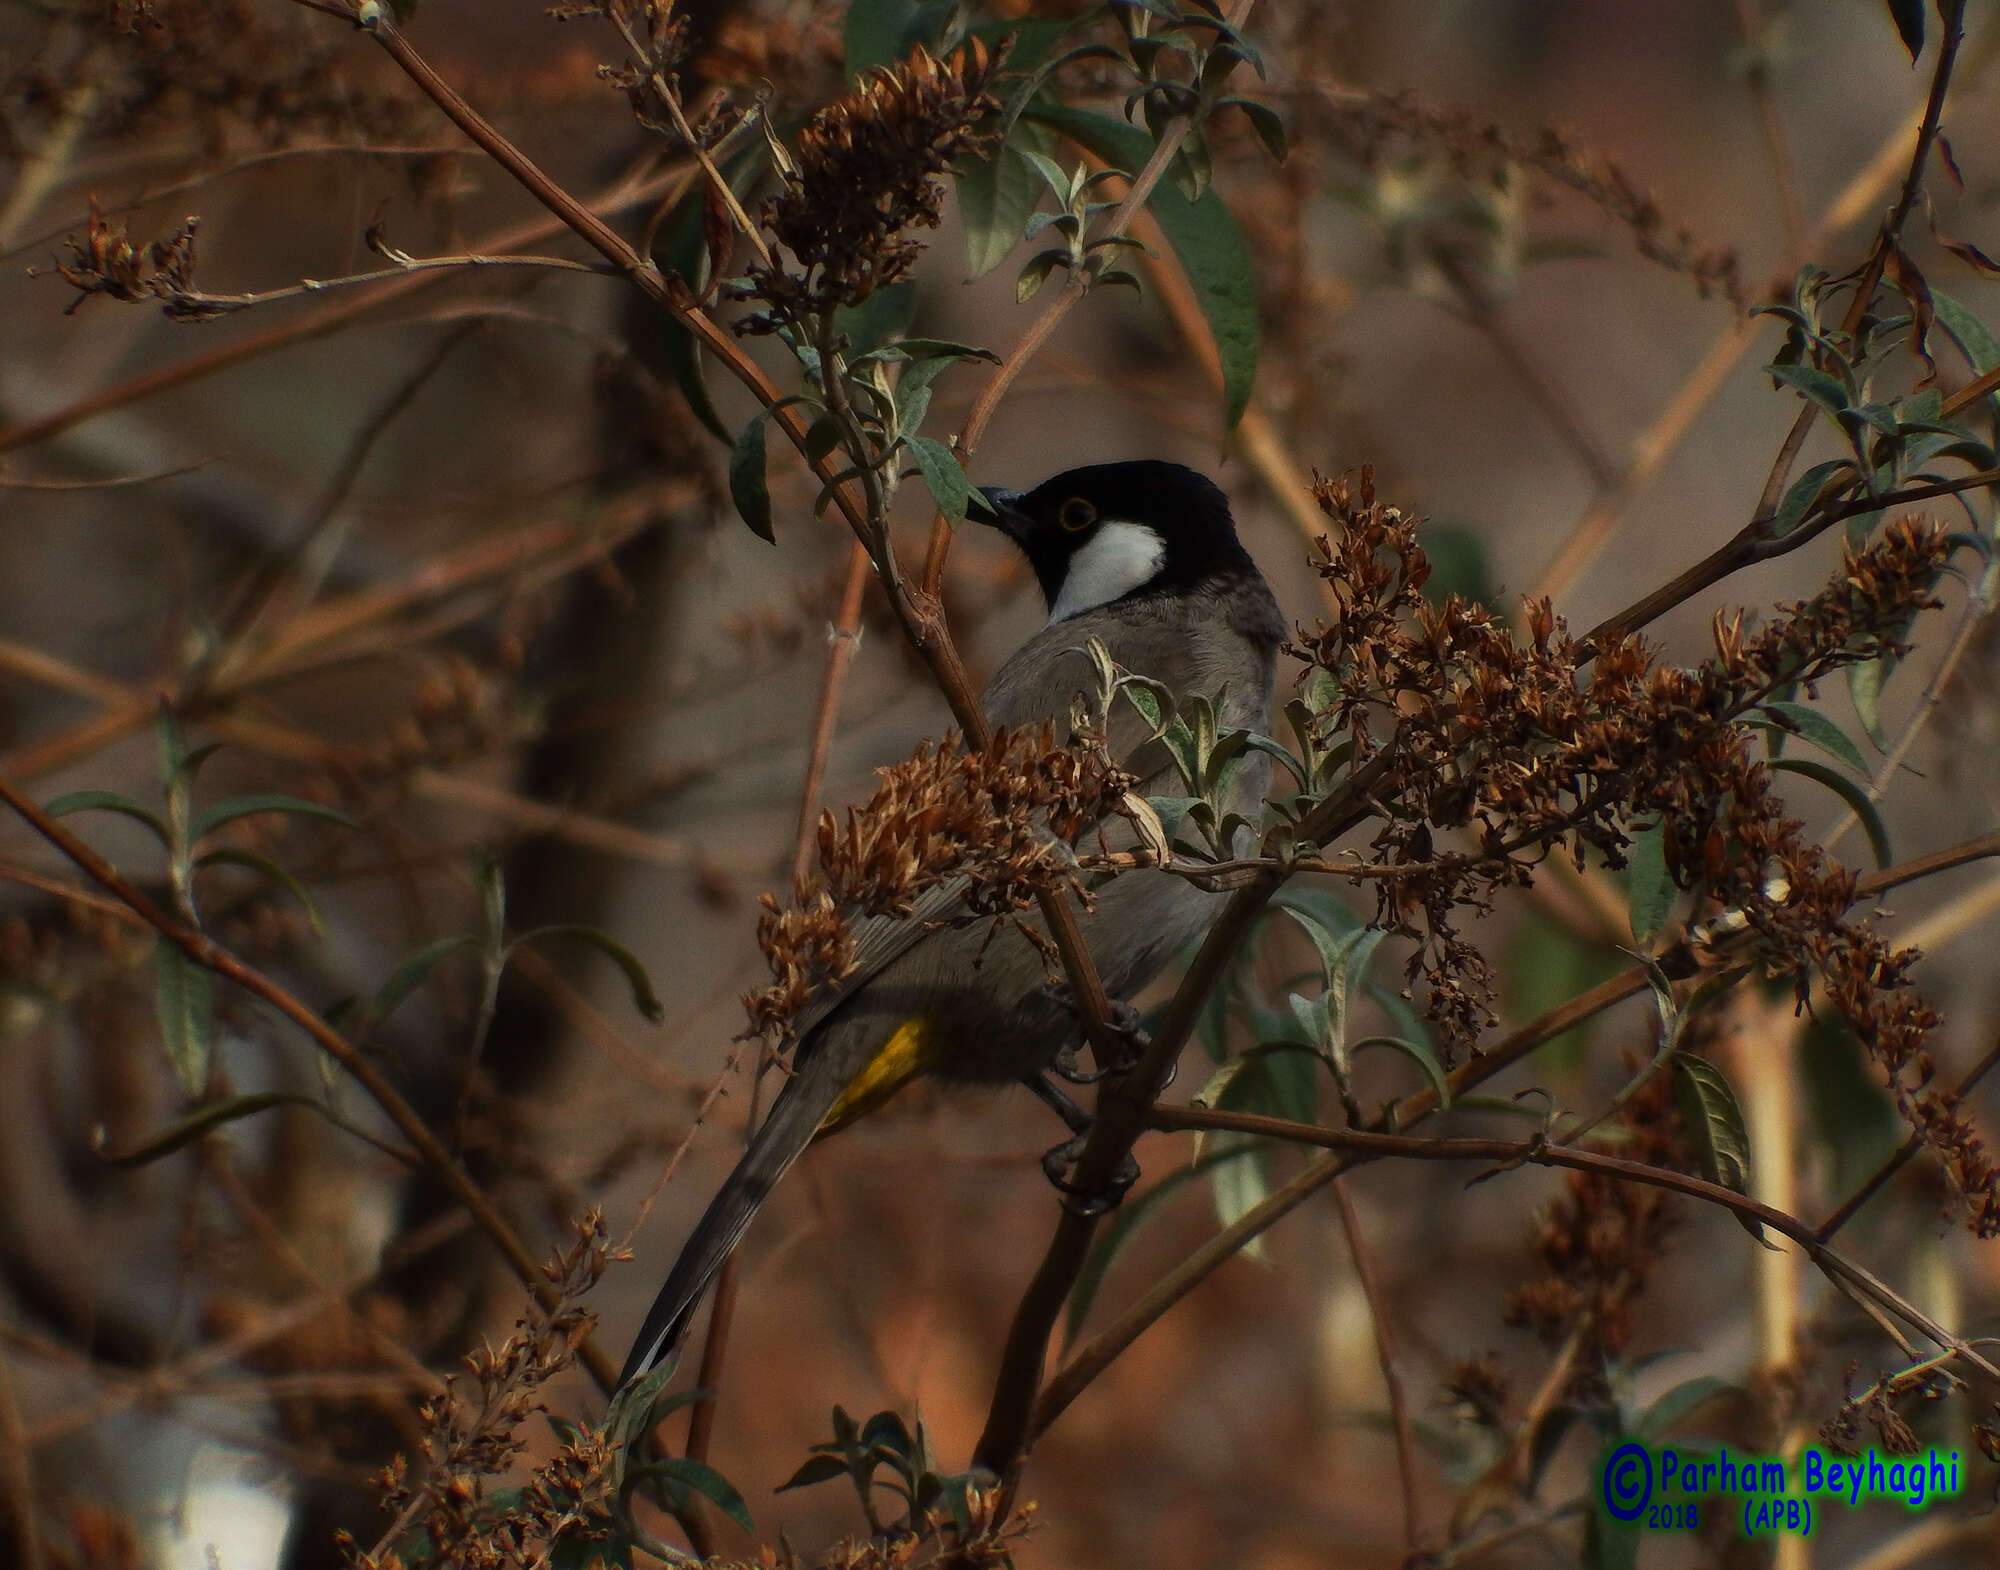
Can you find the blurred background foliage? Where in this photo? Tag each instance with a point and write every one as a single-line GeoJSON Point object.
{"type": "Point", "coordinates": [452, 558]}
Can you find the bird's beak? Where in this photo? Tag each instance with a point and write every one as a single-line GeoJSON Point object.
{"type": "Point", "coordinates": [1005, 514]}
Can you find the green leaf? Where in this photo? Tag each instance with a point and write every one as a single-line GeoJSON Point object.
{"type": "Point", "coordinates": [1152, 700]}
{"type": "Point", "coordinates": [1343, 961]}
{"type": "Point", "coordinates": [684, 1475]}
{"type": "Point", "coordinates": [683, 251]}
{"type": "Point", "coordinates": [1864, 686]}
{"type": "Point", "coordinates": [268, 801]}
{"type": "Point", "coordinates": [1851, 792]}
{"type": "Point", "coordinates": [1265, 121]}
{"type": "Point", "coordinates": [1204, 235]}
{"type": "Point", "coordinates": [1608, 1543]}
{"type": "Point", "coordinates": [644, 999]}
{"type": "Point", "coordinates": [1802, 493]}
{"type": "Point", "coordinates": [997, 196]}
{"type": "Point", "coordinates": [1547, 965]}
{"type": "Point", "coordinates": [822, 436]}
{"type": "Point", "coordinates": [1809, 724]}
{"type": "Point", "coordinates": [184, 1004]}
{"type": "Point", "coordinates": [410, 975]}
{"type": "Point", "coordinates": [1649, 886]}
{"type": "Point", "coordinates": [1192, 169]}
{"type": "Point", "coordinates": [1714, 1121]}
{"type": "Point", "coordinates": [1418, 1053]}
{"type": "Point", "coordinates": [1971, 335]}
{"type": "Point", "coordinates": [1829, 392]}
{"type": "Point", "coordinates": [874, 32]}
{"type": "Point", "coordinates": [1239, 1187]}
{"type": "Point", "coordinates": [948, 485]}
{"type": "Point", "coordinates": [228, 856]}
{"type": "Point", "coordinates": [1660, 1419]}
{"type": "Point", "coordinates": [1908, 15]}
{"type": "Point", "coordinates": [940, 349]}
{"type": "Point", "coordinates": [202, 1121]}
{"type": "Point", "coordinates": [817, 1469]}
{"type": "Point", "coordinates": [630, 1413]}
{"type": "Point", "coordinates": [107, 801]}
{"type": "Point", "coordinates": [1035, 272]}
{"type": "Point", "coordinates": [748, 488]}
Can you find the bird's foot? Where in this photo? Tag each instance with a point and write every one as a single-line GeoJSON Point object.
{"type": "Point", "coordinates": [1078, 1199]}
{"type": "Point", "coordinates": [1132, 1037]}
{"type": "Point", "coordinates": [1058, 1159]}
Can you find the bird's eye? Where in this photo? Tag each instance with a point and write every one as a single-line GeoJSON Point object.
{"type": "Point", "coordinates": [1076, 515]}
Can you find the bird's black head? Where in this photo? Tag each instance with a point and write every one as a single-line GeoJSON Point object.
{"type": "Point", "coordinates": [1115, 531]}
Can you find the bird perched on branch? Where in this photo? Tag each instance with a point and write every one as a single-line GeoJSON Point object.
{"type": "Point", "coordinates": [1143, 558]}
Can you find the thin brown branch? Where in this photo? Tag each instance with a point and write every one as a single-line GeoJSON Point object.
{"type": "Point", "coordinates": [204, 951]}
{"type": "Point", "coordinates": [1753, 543]}
{"type": "Point", "coordinates": [843, 639]}
{"type": "Point", "coordinates": [1103, 1349]}
{"type": "Point", "coordinates": [1122, 1107]}
{"type": "Point", "coordinates": [1926, 865]}
{"type": "Point", "coordinates": [266, 592]}
{"type": "Point", "coordinates": [1506, 1153]}
{"type": "Point", "coordinates": [335, 316]}
{"type": "Point", "coordinates": [1784, 177]}
{"type": "Point", "coordinates": [1867, 1190]}
{"type": "Point", "coordinates": [1385, 1353]}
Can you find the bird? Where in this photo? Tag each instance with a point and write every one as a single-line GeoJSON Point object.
{"type": "Point", "coordinates": [1142, 557]}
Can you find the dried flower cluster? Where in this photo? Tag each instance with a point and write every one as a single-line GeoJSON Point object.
{"type": "Point", "coordinates": [470, 1439]}
{"type": "Point", "coordinates": [1876, 1408]}
{"type": "Point", "coordinates": [1506, 738]}
{"type": "Point", "coordinates": [106, 262]}
{"type": "Point", "coordinates": [1479, 149]}
{"type": "Point", "coordinates": [1600, 1239]}
{"type": "Point", "coordinates": [865, 169]}
{"type": "Point", "coordinates": [999, 818]}
{"type": "Point", "coordinates": [658, 38]}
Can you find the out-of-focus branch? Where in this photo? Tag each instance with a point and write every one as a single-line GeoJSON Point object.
{"type": "Point", "coordinates": [210, 955]}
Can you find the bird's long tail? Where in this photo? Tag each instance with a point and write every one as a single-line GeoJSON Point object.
{"type": "Point", "coordinates": [795, 1118]}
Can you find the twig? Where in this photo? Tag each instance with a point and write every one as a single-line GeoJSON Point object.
{"type": "Point", "coordinates": [1092, 1359]}
{"type": "Point", "coordinates": [843, 638]}
{"type": "Point", "coordinates": [204, 951]}
{"type": "Point", "coordinates": [1753, 543]}
{"type": "Point", "coordinates": [922, 619]}
{"type": "Point", "coordinates": [1122, 1106]}
{"type": "Point", "coordinates": [1503, 1473]}
{"type": "Point", "coordinates": [1651, 450]}
{"type": "Point", "coordinates": [1367, 1146]}
{"type": "Point", "coordinates": [1791, 217]}
{"type": "Point", "coordinates": [332, 318]}
{"type": "Point", "coordinates": [208, 177]}
{"type": "Point", "coordinates": [263, 593]}
{"type": "Point", "coordinates": [1970, 620]}
{"type": "Point", "coordinates": [1385, 1354]}
{"type": "Point", "coordinates": [1845, 1213]}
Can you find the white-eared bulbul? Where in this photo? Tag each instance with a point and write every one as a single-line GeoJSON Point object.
{"type": "Point", "coordinates": [1142, 557]}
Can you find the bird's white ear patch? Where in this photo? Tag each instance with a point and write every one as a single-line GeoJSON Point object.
{"type": "Point", "coordinates": [1117, 559]}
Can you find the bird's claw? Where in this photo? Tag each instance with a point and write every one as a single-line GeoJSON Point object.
{"type": "Point", "coordinates": [1058, 1159]}
{"type": "Point", "coordinates": [1124, 1022]}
